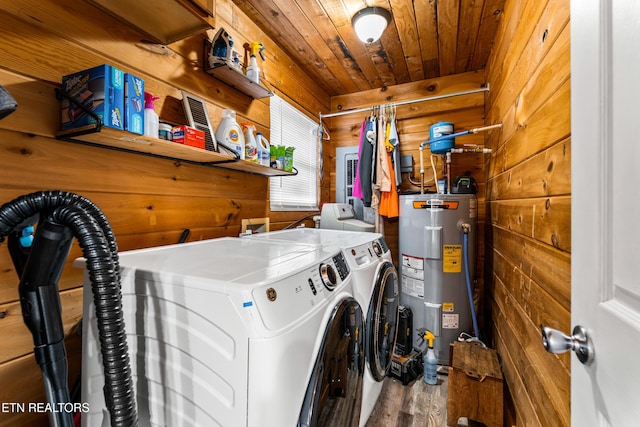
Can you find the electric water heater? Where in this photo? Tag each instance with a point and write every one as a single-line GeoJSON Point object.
{"type": "Point", "coordinates": [432, 231]}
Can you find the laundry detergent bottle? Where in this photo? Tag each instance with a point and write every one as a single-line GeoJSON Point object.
{"type": "Point", "coordinates": [151, 119]}
{"type": "Point", "coordinates": [250, 144]}
{"type": "Point", "coordinates": [264, 150]}
{"type": "Point", "coordinates": [229, 133]}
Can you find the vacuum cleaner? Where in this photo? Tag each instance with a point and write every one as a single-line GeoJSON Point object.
{"type": "Point", "coordinates": [39, 261]}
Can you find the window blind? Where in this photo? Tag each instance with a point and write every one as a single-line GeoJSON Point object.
{"type": "Point", "coordinates": [291, 128]}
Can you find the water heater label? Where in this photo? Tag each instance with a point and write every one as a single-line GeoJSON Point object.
{"type": "Point", "coordinates": [414, 273]}
{"type": "Point", "coordinates": [451, 258]}
{"type": "Point", "coordinates": [412, 287]}
{"type": "Point", "coordinates": [450, 321]}
{"type": "Point", "coordinates": [412, 262]}
{"type": "Point", "coordinates": [435, 204]}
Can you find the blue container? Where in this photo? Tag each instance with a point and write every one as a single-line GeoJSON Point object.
{"type": "Point", "coordinates": [101, 91]}
{"type": "Point", "coordinates": [438, 130]}
{"type": "Point", "coordinates": [133, 104]}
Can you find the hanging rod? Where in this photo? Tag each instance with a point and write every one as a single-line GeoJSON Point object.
{"type": "Point", "coordinates": [411, 101]}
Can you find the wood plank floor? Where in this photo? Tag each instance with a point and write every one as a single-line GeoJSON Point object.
{"type": "Point", "coordinates": [417, 404]}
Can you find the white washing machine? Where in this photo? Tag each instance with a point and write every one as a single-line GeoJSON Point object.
{"type": "Point", "coordinates": [234, 332]}
{"type": "Point", "coordinates": [376, 288]}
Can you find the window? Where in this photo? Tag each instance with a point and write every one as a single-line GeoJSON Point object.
{"type": "Point", "coordinates": [291, 128]}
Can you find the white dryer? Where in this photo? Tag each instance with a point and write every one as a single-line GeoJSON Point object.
{"type": "Point", "coordinates": [376, 288]}
{"type": "Point", "coordinates": [234, 332]}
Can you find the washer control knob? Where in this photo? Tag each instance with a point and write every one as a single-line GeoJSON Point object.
{"type": "Point", "coordinates": [328, 276]}
{"type": "Point", "coordinates": [377, 248]}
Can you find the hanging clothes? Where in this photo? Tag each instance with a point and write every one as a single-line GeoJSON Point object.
{"type": "Point", "coordinates": [395, 154]}
{"type": "Point", "coordinates": [389, 203]}
{"type": "Point", "coordinates": [383, 175]}
{"type": "Point", "coordinates": [366, 161]}
{"type": "Point", "coordinates": [357, 188]}
{"type": "Point", "coordinates": [377, 166]}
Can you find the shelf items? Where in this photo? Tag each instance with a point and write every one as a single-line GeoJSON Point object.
{"type": "Point", "coordinates": [126, 141]}
{"type": "Point", "coordinates": [234, 77]}
{"type": "Point", "coordinates": [237, 80]}
{"type": "Point", "coordinates": [101, 136]}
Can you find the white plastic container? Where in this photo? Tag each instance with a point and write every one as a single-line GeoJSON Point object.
{"type": "Point", "coordinates": [151, 119]}
{"type": "Point", "coordinates": [228, 132]}
{"type": "Point", "coordinates": [253, 71]}
{"type": "Point", "coordinates": [250, 144]}
{"type": "Point", "coordinates": [165, 131]}
{"type": "Point", "coordinates": [264, 150]}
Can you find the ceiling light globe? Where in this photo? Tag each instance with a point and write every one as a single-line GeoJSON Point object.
{"type": "Point", "coordinates": [370, 23]}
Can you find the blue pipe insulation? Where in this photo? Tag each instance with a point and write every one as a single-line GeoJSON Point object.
{"type": "Point", "coordinates": [97, 241]}
{"type": "Point", "coordinates": [465, 249]}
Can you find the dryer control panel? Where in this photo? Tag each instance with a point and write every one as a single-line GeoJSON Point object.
{"type": "Point", "coordinates": [287, 300]}
{"type": "Point", "coordinates": [366, 254]}
{"type": "Point", "coordinates": [381, 246]}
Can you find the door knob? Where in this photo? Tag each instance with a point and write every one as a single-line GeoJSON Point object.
{"type": "Point", "coordinates": [555, 341]}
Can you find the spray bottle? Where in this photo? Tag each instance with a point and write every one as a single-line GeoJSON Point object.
{"type": "Point", "coordinates": [430, 358]}
{"type": "Point", "coordinates": [250, 144]}
{"type": "Point", "coordinates": [253, 71]}
{"type": "Point", "coordinates": [151, 119]}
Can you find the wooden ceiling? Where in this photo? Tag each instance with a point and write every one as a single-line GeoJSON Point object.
{"type": "Point", "coordinates": [426, 39]}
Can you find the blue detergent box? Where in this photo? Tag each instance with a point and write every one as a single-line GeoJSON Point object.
{"type": "Point", "coordinates": [133, 104]}
{"type": "Point", "coordinates": [99, 90]}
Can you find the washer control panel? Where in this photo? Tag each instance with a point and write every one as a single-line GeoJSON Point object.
{"type": "Point", "coordinates": [334, 272]}
{"type": "Point", "coordinates": [341, 265]}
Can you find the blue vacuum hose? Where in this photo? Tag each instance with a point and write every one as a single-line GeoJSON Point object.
{"type": "Point", "coordinates": [465, 254]}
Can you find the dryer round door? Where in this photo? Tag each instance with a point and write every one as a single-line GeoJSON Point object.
{"type": "Point", "coordinates": [382, 320]}
{"type": "Point", "coordinates": [334, 393]}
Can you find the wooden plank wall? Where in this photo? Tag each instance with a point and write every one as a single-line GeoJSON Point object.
{"type": "Point", "coordinates": [528, 252]}
{"type": "Point", "coordinates": [149, 201]}
{"type": "Point", "coordinates": [413, 122]}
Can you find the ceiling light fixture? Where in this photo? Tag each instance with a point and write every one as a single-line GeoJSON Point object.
{"type": "Point", "coordinates": [370, 22]}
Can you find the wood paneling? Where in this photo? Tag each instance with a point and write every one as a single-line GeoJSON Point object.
{"type": "Point", "coordinates": [424, 39]}
{"type": "Point", "coordinates": [149, 201]}
{"type": "Point", "coordinates": [528, 205]}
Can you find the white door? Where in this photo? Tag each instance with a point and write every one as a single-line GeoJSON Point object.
{"type": "Point", "coordinates": [605, 288]}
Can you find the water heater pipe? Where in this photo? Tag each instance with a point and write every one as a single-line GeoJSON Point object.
{"type": "Point", "coordinates": [465, 254]}
{"type": "Point", "coordinates": [454, 135]}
